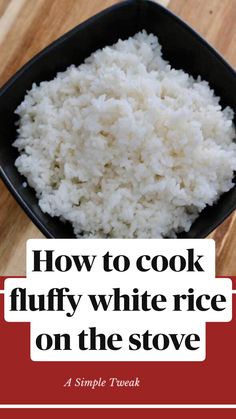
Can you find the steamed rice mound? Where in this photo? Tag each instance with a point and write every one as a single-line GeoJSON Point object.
{"type": "Point", "coordinates": [124, 145]}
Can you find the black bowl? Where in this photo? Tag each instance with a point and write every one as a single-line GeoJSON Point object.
{"type": "Point", "coordinates": [182, 47]}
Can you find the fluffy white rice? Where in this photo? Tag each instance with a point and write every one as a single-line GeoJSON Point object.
{"type": "Point", "coordinates": [124, 145]}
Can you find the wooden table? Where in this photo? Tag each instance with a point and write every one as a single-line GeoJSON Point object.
{"type": "Point", "coordinates": [27, 26]}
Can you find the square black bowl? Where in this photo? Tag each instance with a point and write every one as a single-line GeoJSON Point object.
{"type": "Point", "coordinates": [182, 47]}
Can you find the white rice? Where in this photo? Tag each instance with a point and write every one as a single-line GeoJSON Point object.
{"type": "Point", "coordinates": [124, 145]}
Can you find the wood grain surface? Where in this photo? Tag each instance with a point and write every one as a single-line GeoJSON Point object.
{"type": "Point", "coordinates": [27, 26]}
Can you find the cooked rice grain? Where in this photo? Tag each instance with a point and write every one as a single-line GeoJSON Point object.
{"type": "Point", "coordinates": [124, 145]}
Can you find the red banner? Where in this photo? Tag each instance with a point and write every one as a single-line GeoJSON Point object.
{"type": "Point", "coordinates": [210, 382]}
